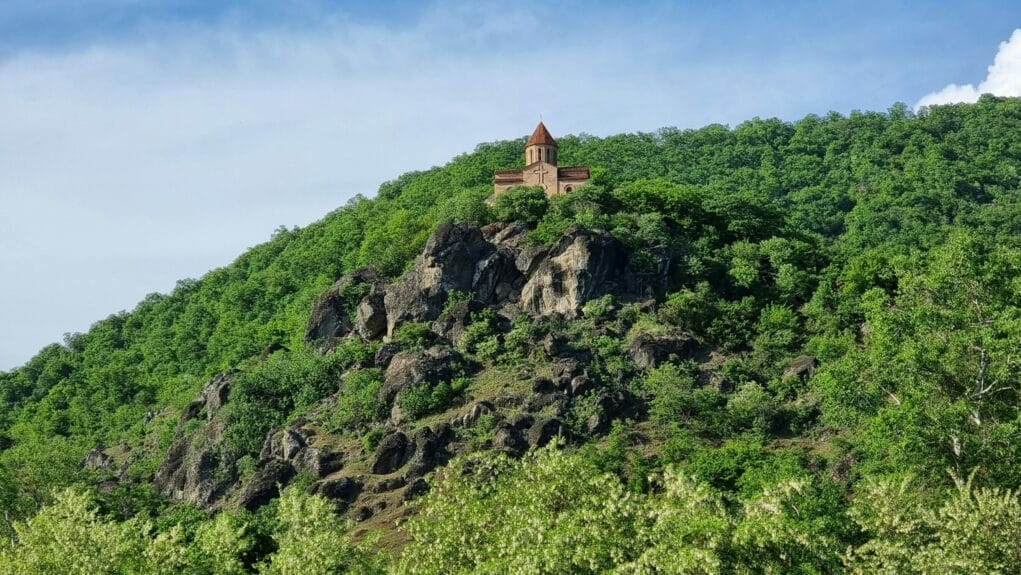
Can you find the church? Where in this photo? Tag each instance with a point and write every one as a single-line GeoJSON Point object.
{"type": "Point", "coordinates": [541, 168]}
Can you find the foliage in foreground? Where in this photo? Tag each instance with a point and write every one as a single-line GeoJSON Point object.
{"type": "Point", "coordinates": [71, 537]}
{"type": "Point", "coordinates": [558, 513]}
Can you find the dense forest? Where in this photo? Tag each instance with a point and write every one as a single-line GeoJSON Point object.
{"type": "Point", "coordinates": [851, 286]}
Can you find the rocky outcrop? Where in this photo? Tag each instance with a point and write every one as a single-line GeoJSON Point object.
{"type": "Point", "coordinates": [449, 261]}
{"type": "Point", "coordinates": [293, 445]}
{"type": "Point", "coordinates": [193, 469]}
{"type": "Point", "coordinates": [213, 395]}
{"type": "Point", "coordinates": [265, 486]}
{"type": "Point", "coordinates": [332, 312]}
{"type": "Point", "coordinates": [193, 474]}
{"type": "Point", "coordinates": [584, 265]}
{"type": "Point", "coordinates": [392, 453]}
{"type": "Point", "coordinates": [412, 368]}
{"type": "Point", "coordinates": [97, 459]}
{"type": "Point", "coordinates": [545, 430]}
{"type": "Point", "coordinates": [802, 367]}
{"type": "Point", "coordinates": [648, 350]}
{"type": "Point", "coordinates": [498, 269]}
{"type": "Point", "coordinates": [452, 323]}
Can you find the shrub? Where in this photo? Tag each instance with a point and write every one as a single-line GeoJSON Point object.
{"type": "Point", "coordinates": [358, 402]}
{"type": "Point", "coordinates": [414, 335]}
{"type": "Point", "coordinates": [521, 203]}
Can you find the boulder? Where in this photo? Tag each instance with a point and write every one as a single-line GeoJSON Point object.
{"type": "Point", "coordinates": [509, 437]}
{"type": "Point", "coordinates": [370, 315]}
{"type": "Point", "coordinates": [97, 459]}
{"type": "Point", "coordinates": [265, 485]}
{"type": "Point", "coordinates": [291, 442]}
{"type": "Point", "coordinates": [341, 488]}
{"type": "Point", "coordinates": [802, 367]}
{"type": "Point", "coordinates": [543, 385]}
{"type": "Point", "coordinates": [385, 354]}
{"type": "Point", "coordinates": [318, 462]}
{"type": "Point", "coordinates": [331, 313]}
{"type": "Point", "coordinates": [412, 368]}
{"type": "Point", "coordinates": [452, 323]}
{"type": "Point", "coordinates": [429, 450]}
{"type": "Point", "coordinates": [393, 452]}
{"type": "Point", "coordinates": [521, 421]}
{"type": "Point", "coordinates": [389, 484]}
{"type": "Point", "coordinates": [545, 430]}
{"type": "Point", "coordinates": [648, 349]}
{"type": "Point", "coordinates": [472, 415]}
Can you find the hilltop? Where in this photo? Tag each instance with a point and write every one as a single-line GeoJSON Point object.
{"type": "Point", "coordinates": [758, 348]}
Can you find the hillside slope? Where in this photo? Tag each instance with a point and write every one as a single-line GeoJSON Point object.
{"type": "Point", "coordinates": [830, 302]}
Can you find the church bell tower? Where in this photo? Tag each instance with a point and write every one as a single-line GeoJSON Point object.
{"type": "Point", "coordinates": [541, 147]}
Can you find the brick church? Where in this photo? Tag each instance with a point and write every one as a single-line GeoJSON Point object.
{"type": "Point", "coordinates": [541, 168]}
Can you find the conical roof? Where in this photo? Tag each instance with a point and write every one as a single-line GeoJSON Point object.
{"type": "Point", "coordinates": [541, 137]}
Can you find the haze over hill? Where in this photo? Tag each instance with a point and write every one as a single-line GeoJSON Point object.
{"type": "Point", "coordinates": [143, 143]}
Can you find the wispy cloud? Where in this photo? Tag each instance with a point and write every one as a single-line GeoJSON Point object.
{"type": "Point", "coordinates": [1003, 78]}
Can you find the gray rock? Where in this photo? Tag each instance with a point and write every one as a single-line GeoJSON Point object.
{"type": "Point", "coordinates": [191, 474]}
{"type": "Point", "coordinates": [509, 437]}
{"type": "Point", "coordinates": [389, 484]}
{"type": "Point", "coordinates": [385, 354]}
{"type": "Point", "coordinates": [648, 350]}
{"type": "Point", "coordinates": [341, 488]}
{"type": "Point", "coordinates": [264, 487]}
{"type": "Point", "coordinates": [393, 452]}
{"type": "Point", "coordinates": [497, 278]}
{"type": "Point", "coordinates": [331, 313]}
{"type": "Point", "coordinates": [291, 442]}
{"type": "Point", "coordinates": [213, 395]}
{"type": "Point", "coordinates": [216, 393]}
{"type": "Point", "coordinates": [97, 459]}
{"type": "Point", "coordinates": [521, 421]}
{"type": "Point", "coordinates": [584, 265]}
{"type": "Point", "coordinates": [545, 430]}
{"type": "Point", "coordinates": [318, 462]}
{"type": "Point", "coordinates": [412, 368]}
{"type": "Point", "coordinates": [370, 315]}
{"type": "Point", "coordinates": [417, 487]}
{"type": "Point", "coordinates": [429, 450]}
{"type": "Point", "coordinates": [511, 234]}
{"type": "Point", "coordinates": [452, 323]}
{"type": "Point", "coordinates": [802, 367]}
{"type": "Point", "coordinates": [448, 262]}
{"type": "Point", "coordinates": [581, 384]}
{"type": "Point", "coordinates": [543, 385]}
{"type": "Point", "coordinates": [472, 415]}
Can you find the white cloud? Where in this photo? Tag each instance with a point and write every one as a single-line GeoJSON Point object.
{"type": "Point", "coordinates": [1003, 78]}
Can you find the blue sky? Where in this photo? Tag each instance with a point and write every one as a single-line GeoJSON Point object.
{"type": "Point", "coordinates": [144, 142]}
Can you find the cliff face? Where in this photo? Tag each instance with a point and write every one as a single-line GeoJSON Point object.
{"type": "Point", "coordinates": [463, 273]}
